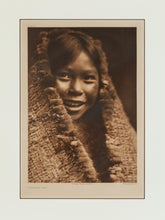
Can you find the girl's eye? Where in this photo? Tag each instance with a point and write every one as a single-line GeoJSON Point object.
{"type": "Point", "coordinates": [64, 76]}
{"type": "Point", "coordinates": [89, 78]}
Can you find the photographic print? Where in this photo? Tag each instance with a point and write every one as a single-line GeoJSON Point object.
{"type": "Point", "coordinates": [82, 108]}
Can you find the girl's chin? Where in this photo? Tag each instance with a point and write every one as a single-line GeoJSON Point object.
{"type": "Point", "coordinates": [75, 116]}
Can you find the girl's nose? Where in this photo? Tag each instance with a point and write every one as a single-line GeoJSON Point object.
{"type": "Point", "coordinates": [75, 87]}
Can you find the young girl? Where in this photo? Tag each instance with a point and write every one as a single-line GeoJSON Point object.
{"type": "Point", "coordinates": [78, 130]}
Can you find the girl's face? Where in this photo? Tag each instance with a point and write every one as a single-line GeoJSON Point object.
{"type": "Point", "coordinates": [78, 85]}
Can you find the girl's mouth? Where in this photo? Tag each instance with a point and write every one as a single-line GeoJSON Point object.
{"type": "Point", "coordinates": [73, 105]}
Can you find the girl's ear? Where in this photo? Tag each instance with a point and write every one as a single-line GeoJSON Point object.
{"type": "Point", "coordinates": [105, 83]}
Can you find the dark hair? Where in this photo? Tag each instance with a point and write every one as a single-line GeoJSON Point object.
{"type": "Point", "coordinates": [65, 45]}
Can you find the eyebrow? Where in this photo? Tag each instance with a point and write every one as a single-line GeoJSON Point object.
{"type": "Point", "coordinates": [90, 71]}
{"type": "Point", "coordinates": [86, 71]}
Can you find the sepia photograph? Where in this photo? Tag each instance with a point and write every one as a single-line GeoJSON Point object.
{"type": "Point", "coordinates": [82, 108]}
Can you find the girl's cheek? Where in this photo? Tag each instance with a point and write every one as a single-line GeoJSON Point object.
{"type": "Point", "coordinates": [92, 89]}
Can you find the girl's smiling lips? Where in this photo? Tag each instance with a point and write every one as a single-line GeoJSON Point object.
{"type": "Point", "coordinates": [73, 105]}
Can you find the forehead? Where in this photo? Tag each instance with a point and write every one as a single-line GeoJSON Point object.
{"type": "Point", "coordinates": [82, 62]}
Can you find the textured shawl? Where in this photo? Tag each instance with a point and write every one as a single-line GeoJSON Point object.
{"type": "Point", "coordinates": [56, 154]}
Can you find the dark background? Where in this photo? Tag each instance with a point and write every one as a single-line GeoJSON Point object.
{"type": "Point", "coordinates": [119, 45]}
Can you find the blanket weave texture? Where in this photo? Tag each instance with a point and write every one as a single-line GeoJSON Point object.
{"type": "Point", "coordinates": [55, 151]}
